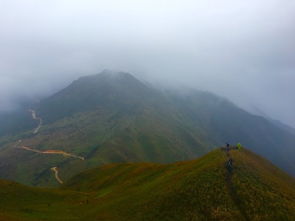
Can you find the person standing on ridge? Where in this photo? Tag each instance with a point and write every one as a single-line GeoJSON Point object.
{"type": "Point", "coordinates": [227, 146]}
{"type": "Point", "coordinates": [239, 146]}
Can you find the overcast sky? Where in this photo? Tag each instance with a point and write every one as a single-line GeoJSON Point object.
{"type": "Point", "coordinates": [243, 50]}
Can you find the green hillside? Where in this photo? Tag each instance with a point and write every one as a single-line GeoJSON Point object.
{"type": "Point", "coordinates": [113, 117]}
{"type": "Point", "coordinates": [202, 189]}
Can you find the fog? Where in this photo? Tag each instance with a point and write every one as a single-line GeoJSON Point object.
{"type": "Point", "coordinates": [243, 50]}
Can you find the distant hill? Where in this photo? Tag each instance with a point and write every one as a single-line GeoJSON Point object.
{"type": "Point", "coordinates": [202, 189]}
{"type": "Point", "coordinates": [283, 126]}
{"type": "Point", "coordinates": [114, 117]}
{"type": "Point", "coordinates": [15, 122]}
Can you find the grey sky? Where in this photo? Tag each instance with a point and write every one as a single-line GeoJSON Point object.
{"type": "Point", "coordinates": [243, 50]}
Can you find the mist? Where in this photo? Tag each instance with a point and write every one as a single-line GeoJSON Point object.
{"type": "Point", "coordinates": [243, 50]}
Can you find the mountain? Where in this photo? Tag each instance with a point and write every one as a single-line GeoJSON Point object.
{"type": "Point", "coordinates": [283, 126]}
{"type": "Point", "coordinates": [201, 189]}
{"type": "Point", "coordinates": [15, 122]}
{"type": "Point", "coordinates": [114, 117]}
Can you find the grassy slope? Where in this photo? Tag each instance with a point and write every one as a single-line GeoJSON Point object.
{"type": "Point", "coordinates": [102, 137]}
{"type": "Point", "coordinates": [269, 191]}
{"type": "Point", "coordinates": [119, 119]}
{"type": "Point", "coordinates": [191, 190]}
{"type": "Point", "coordinates": [19, 202]}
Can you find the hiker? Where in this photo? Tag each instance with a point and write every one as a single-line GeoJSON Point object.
{"type": "Point", "coordinates": [239, 146]}
{"type": "Point", "coordinates": [227, 146]}
{"type": "Point", "coordinates": [230, 161]}
{"type": "Point", "coordinates": [229, 165]}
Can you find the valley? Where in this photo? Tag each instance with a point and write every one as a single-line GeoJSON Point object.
{"type": "Point", "coordinates": [60, 152]}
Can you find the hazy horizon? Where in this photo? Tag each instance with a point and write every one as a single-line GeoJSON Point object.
{"type": "Point", "coordinates": [241, 50]}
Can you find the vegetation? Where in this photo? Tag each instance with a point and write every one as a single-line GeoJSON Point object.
{"type": "Point", "coordinates": [188, 190]}
{"type": "Point", "coordinates": [116, 118]}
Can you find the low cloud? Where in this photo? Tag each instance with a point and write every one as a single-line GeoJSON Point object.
{"type": "Point", "coordinates": [243, 50]}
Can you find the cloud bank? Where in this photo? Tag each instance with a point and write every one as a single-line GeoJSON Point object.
{"type": "Point", "coordinates": [243, 50]}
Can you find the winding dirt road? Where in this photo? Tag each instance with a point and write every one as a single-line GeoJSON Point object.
{"type": "Point", "coordinates": [65, 154]}
{"type": "Point", "coordinates": [35, 117]}
{"type": "Point", "coordinates": [55, 170]}
{"type": "Point", "coordinates": [60, 152]}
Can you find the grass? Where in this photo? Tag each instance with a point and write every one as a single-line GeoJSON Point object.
{"type": "Point", "coordinates": [102, 137]}
{"type": "Point", "coordinates": [188, 190]}
{"type": "Point", "coordinates": [107, 120]}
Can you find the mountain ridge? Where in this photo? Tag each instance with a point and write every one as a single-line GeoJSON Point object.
{"type": "Point", "coordinates": [116, 118]}
{"type": "Point", "coordinates": [187, 190]}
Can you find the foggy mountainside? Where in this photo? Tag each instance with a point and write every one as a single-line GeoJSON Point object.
{"type": "Point", "coordinates": [150, 110]}
{"type": "Point", "coordinates": [114, 117]}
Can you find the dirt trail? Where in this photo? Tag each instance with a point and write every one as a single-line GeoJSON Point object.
{"type": "Point", "coordinates": [39, 119]}
{"type": "Point", "coordinates": [65, 154]}
{"type": "Point", "coordinates": [55, 170]}
{"type": "Point", "coordinates": [60, 152]}
{"type": "Point", "coordinates": [228, 178]}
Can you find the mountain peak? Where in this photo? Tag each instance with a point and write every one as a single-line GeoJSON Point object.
{"type": "Point", "coordinates": [115, 74]}
{"type": "Point", "coordinates": [108, 89]}
{"type": "Point", "coordinates": [109, 75]}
